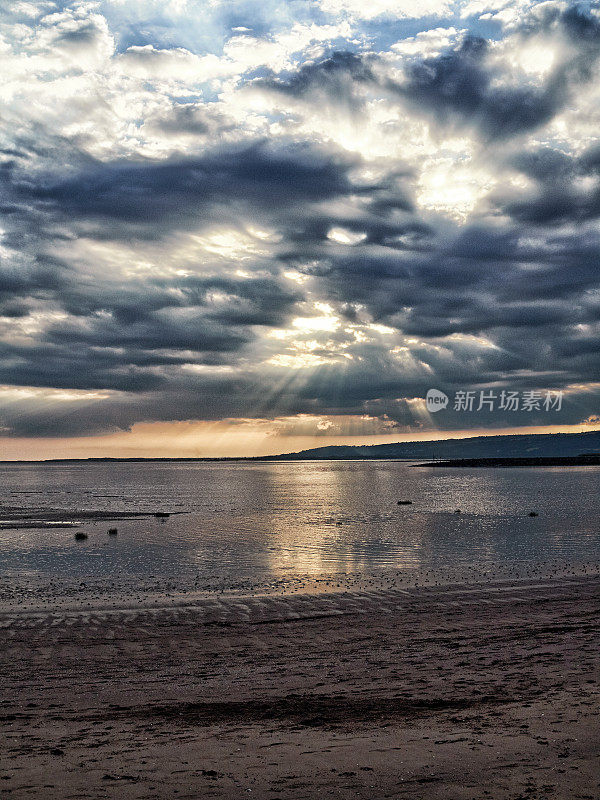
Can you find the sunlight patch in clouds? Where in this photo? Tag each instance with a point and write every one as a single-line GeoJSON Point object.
{"type": "Point", "coordinates": [343, 236]}
{"type": "Point", "coordinates": [308, 324]}
{"type": "Point", "coordinates": [452, 188]}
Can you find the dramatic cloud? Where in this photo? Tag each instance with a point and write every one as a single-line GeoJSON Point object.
{"type": "Point", "coordinates": [304, 212]}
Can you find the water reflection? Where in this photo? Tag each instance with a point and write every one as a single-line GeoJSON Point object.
{"type": "Point", "coordinates": [264, 521]}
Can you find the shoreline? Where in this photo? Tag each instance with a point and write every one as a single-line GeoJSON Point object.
{"type": "Point", "coordinates": [100, 594]}
{"type": "Point", "coordinates": [454, 693]}
{"type": "Point", "coordinates": [535, 461]}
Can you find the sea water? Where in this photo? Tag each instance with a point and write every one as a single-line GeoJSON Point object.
{"type": "Point", "coordinates": [248, 526]}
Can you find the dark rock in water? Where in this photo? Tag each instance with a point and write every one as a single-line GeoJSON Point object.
{"type": "Point", "coordinates": [533, 514]}
{"type": "Point", "coordinates": [80, 536]}
{"type": "Point", "coordinates": [161, 514]}
{"type": "Point", "coordinates": [112, 531]}
{"type": "Point", "coordinates": [405, 502]}
{"type": "Point", "coordinates": [458, 511]}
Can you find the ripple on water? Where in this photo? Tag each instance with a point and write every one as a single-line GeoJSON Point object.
{"type": "Point", "coordinates": [251, 526]}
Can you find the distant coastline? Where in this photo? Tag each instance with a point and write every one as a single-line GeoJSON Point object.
{"type": "Point", "coordinates": [474, 448]}
{"type": "Point", "coordinates": [559, 461]}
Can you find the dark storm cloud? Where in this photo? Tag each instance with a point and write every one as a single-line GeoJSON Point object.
{"type": "Point", "coordinates": [458, 86]}
{"type": "Point", "coordinates": [177, 193]}
{"type": "Point", "coordinates": [190, 118]}
{"type": "Point", "coordinates": [121, 335]}
{"type": "Point", "coordinates": [126, 339]}
{"type": "Point", "coordinates": [461, 86]}
{"type": "Point", "coordinates": [577, 20]}
{"type": "Point", "coordinates": [173, 331]}
{"type": "Point", "coordinates": [180, 316]}
{"type": "Point", "coordinates": [567, 188]}
{"type": "Point", "coordinates": [125, 335]}
{"type": "Point", "coordinates": [65, 365]}
{"type": "Point", "coordinates": [210, 398]}
{"type": "Point", "coordinates": [335, 77]}
{"type": "Point", "coordinates": [310, 231]}
{"type": "Point", "coordinates": [28, 282]}
{"type": "Point", "coordinates": [264, 301]}
{"type": "Point", "coordinates": [86, 34]}
{"type": "Point", "coordinates": [527, 296]}
{"type": "Point", "coordinates": [35, 279]}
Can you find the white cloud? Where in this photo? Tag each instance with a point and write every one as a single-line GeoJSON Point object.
{"type": "Point", "coordinates": [393, 8]}
{"type": "Point", "coordinates": [427, 44]}
{"type": "Point", "coordinates": [174, 64]}
{"type": "Point", "coordinates": [504, 11]}
{"type": "Point", "coordinates": [274, 52]}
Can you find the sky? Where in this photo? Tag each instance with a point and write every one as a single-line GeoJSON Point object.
{"type": "Point", "coordinates": [234, 228]}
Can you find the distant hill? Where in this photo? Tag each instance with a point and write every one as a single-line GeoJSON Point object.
{"type": "Point", "coordinates": [548, 445]}
{"type": "Point", "coordinates": [513, 446]}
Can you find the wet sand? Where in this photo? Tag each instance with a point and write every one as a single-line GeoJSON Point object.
{"type": "Point", "coordinates": [456, 692]}
{"type": "Point", "coordinates": [19, 517]}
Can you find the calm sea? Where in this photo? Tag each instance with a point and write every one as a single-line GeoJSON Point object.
{"type": "Point", "coordinates": [276, 525]}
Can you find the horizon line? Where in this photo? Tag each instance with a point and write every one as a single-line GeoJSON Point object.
{"type": "Point", "coordinates": [270, 456]}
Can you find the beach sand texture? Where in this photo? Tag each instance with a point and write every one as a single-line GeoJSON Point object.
{"type": "Point", "coordinates": [459, 692]}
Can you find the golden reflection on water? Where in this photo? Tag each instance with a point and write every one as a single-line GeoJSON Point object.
{"type": "Point", "coordinates": [315, 540]}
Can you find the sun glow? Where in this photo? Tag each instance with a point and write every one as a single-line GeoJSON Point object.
{"type": "Point", "coordinates": [308, 324]}
{"type": "Point", "coordinates": [452, 188]}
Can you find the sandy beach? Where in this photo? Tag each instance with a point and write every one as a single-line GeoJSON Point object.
{"type": "Point", "coordinates": [454, 692]}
